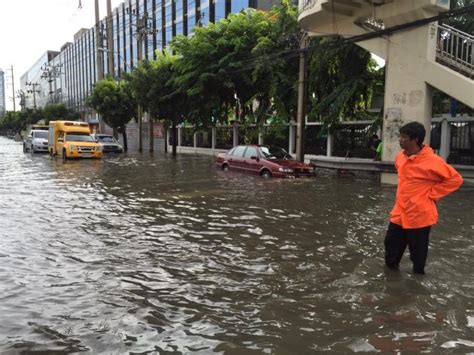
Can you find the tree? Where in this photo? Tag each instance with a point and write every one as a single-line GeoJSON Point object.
{"type": "Point", "coordinates": [53, 112]}
{"type": "Point", "coordinates": [463, 22]}
{"type": "Point", "coordinates": [343, 79]}
{"type": "Point", "coordinates": [114, 101]}
{"type": "Point", "coordinates": [220, 67]}
{"type": "Point", "coordinates": [18, 121]}
{"type": "Point", "coordinates": [154, 87]}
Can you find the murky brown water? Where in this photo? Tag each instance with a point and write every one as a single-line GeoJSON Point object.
{"type": "Point", "coordinates": [150, 254]}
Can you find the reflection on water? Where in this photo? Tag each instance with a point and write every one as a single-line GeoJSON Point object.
{"type": "Point", "coordinates": [154, 254]}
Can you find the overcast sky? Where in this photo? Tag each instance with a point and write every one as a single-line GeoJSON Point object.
{"type": "Point", "coordinates": [28, 28]}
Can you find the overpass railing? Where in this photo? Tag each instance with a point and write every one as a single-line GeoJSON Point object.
{"type": "Point", "coordinates": [456, 49]}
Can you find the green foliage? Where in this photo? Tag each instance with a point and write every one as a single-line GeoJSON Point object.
{"type": "Point", "coordinates": [343, 80]}
{"type": "Point", "coordinates": [18, 121]}
{"type": "Point", "coordinates": [154, 87]}
{"type": "Point", "coordinates": [463, 22]}
{"type": "Point", "coordinates": [227, 67]}
{"type": "Point", "coordinates": [245, 67]}
{"type": "Point", "coordinates": [12, 121]}
{"type": "Point", "coordinates": [114, 101]}
{"type": "Point", "coordinates": [53, 112]}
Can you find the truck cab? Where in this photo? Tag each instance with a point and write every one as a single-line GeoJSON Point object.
{"type": "Point", "coordinates": [71, 139]}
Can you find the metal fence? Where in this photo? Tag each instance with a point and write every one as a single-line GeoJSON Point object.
{"type": "Point", "coordinates": [315, 140]}
{"type": "Point", "coordinates": [276, 135]}
{"type": "Point", "coordinates": [248, 134]}
{"type": "Point", "coordinates": [435, 136]}
{"type": "Point", "coordinates": [224, 137]}
{"type": "Point", "coordinates": [353, 141]}
{"type": "Point", "coordinates": [187, 137]}
{"type": "Point", "coordinates": [461, 148]}
{"type": "Point", "coordinates": [452, 138]}
{"type": "Point", "coordinates": [204, 138]}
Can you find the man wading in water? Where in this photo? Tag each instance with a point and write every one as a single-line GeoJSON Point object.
{"type": "Point", "coordinates": [423, 179]}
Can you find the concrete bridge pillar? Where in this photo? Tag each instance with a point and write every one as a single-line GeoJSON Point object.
{"type": "Point", "coordinates": [407, 96]}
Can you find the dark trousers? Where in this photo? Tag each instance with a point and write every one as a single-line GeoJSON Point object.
{"type": "Point", "coordinates": [396, 241]}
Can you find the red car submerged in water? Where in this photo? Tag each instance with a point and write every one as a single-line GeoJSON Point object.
{"type": "Point", "coordinates": [266, 161]}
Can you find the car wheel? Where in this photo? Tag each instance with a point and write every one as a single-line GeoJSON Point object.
{"type": "Point", "coordinates": [64, 155]}
{"type": "Point", "coordinates": [266, 174]}
{"type": "Point", "coordinates": [225, 167]}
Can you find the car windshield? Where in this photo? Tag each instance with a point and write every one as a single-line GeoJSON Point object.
{"type": "Point", "coordinates": [41, 134]}
{"type": "Point", "coordinates": [274, 153]}
{"type": "Point", "coordinates": [78, 137]}
{"type": "Point", "coordinates": [107, 139]}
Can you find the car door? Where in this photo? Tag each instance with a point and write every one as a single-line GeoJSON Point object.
{"type": "Point", "coordinates": [237, 158]}
{"type": "Point", "coordinates": [251, 161]}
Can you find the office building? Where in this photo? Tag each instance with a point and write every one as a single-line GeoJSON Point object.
{"type": "Point", "coordinates": [2, 94]}
{"type": "Point", "coordinates": [68, 75]}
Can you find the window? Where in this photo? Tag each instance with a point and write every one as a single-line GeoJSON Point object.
{"type": "Point", "coordinates": [250, 152]}
{"type": "Point", "coordinates": [239, 151]}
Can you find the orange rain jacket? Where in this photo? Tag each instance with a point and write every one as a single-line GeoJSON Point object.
{"type": "Point", "coordinates": [423, 179]}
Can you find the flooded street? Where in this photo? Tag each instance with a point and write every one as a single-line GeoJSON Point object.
{"type": "Point", "coordinates": [150, 254]}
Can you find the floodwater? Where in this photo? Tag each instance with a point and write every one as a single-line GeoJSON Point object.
{"type": "Point", "coordinates": [150, 254]}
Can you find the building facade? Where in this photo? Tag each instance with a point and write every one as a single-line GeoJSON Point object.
{"type": "Point", "coordinates": [35, 85]}
{"type": "Point", "coordinates": [2, 94]}
{"type": "Point", "coordinates": [68, 76]}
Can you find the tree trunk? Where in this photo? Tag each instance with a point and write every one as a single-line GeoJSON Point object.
{"type": "Point", "coordinates": [175, 136]}
{"type": "Point", "coordinates": [151, 143]}
{"type": "Point", "coordinates": [165, 135]}
{"type": "Point", "coordinates": [125, 143]}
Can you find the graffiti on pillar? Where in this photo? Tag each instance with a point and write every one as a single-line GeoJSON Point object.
{"type": "Point", "coordinates": [392, 123]}
{"type": "Point", "coordinates": [400, 99]}
{"type": "Point", "coordinates": [415, 97]}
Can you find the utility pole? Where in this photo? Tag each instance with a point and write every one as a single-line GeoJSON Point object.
{"type": "Point", "coordinates": [110, 39]}
{"type": "Point", "coordinates": [99, 54]}
{"type": "Point", "coordinates": [33, 91]}
{"type": "Point", "coordinates": [141, 26]}
{"type": "Point", "coordinates": [21, 96]}
{"type": "Point", "coordinates": [98, 41]}
{"type": "Point", "coordinates": [142, 32]}
{"type": "Point", "coordinates": [13, 89]}
{"type": "Point", "coordinates": [110, 48]}
{"type": "Point", "coordinates": [301, 114]}
{"type": "Point", "coordinates": [51, 72]}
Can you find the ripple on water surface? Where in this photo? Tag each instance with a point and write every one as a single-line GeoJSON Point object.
{"type": "Point", "coordinates": [138, 253]}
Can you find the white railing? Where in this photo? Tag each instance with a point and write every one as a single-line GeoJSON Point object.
{"type": "Point", "coordinates": [456, 49]}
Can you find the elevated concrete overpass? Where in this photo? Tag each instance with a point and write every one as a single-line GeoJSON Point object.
{"type": "Point", "coordinates": [418, 59]}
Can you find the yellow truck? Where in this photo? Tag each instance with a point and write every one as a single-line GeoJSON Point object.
{"type": "Point", "coordinates": [71, 139]}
